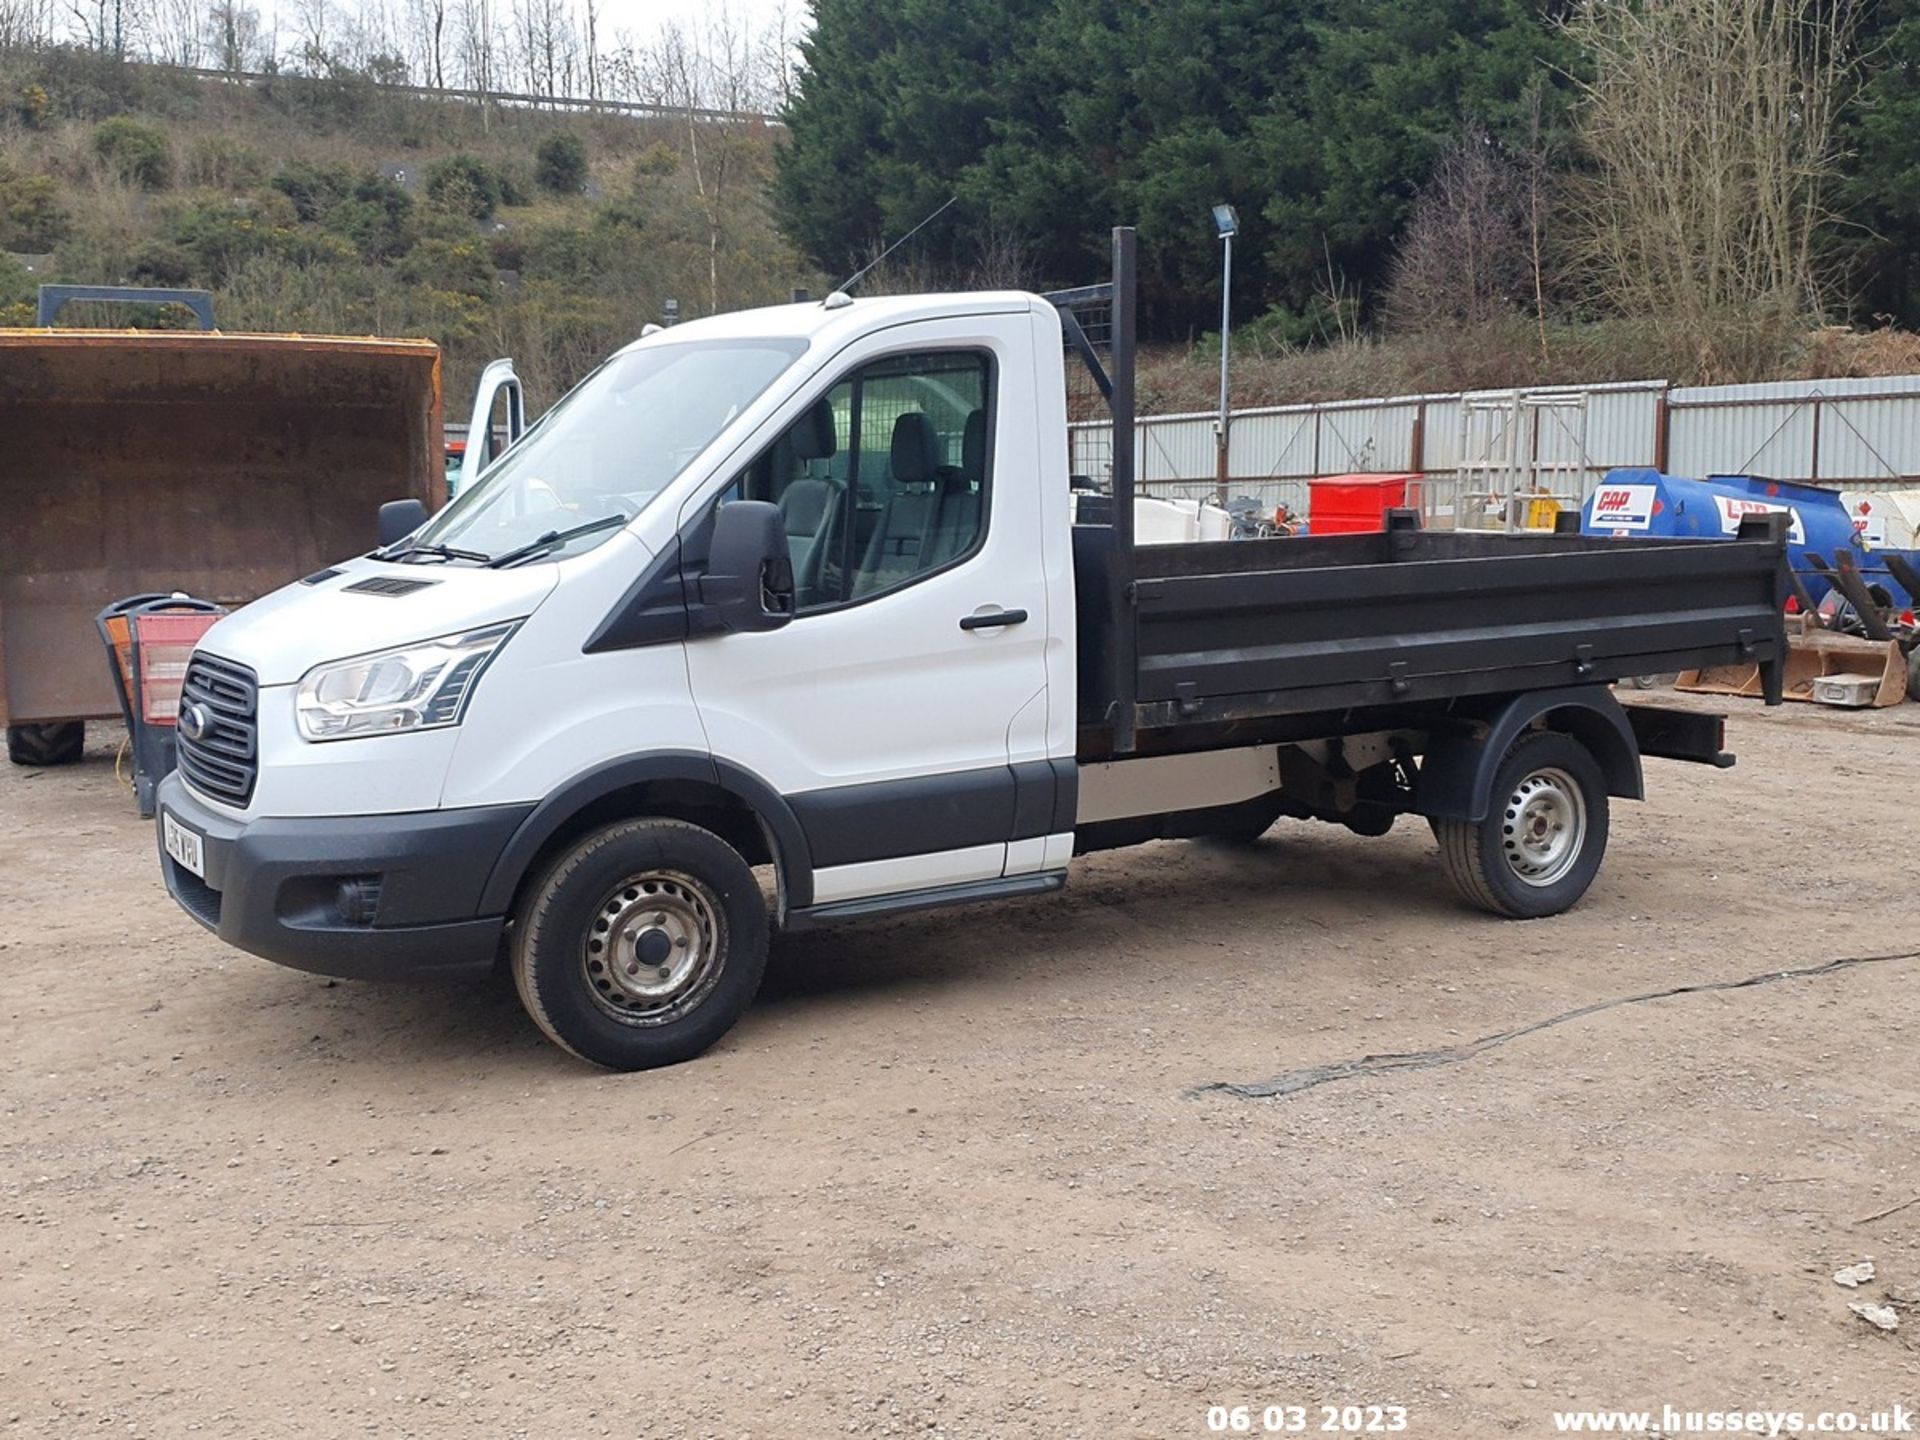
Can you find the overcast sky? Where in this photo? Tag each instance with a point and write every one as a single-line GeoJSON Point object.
{"type": "Point", "coordinates": [644, 17]}
{"type": "Point", "coordinates": [621, 22]}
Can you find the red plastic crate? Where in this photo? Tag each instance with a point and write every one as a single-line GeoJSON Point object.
{"type": "Point", "coordinates": [166, 641]}
{"type": "Point", "coordinates": [1354, 504]}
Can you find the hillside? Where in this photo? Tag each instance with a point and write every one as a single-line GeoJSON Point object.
{"type": "Point", "coordinates": [339, 205]}
{"type": "Point", "coordinates": [331, 201]}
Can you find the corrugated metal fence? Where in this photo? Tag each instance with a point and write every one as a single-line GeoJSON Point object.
{"type": "Point", "coordinates": [1480, 452]}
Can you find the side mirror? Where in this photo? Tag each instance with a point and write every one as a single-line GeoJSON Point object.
{"type": "Point", "coordinates": [400, 518]}
{"type": "Point", "coordinates": [749, 579]}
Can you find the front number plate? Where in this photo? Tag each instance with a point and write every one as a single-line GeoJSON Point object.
{"type": "Point", "coordinates": [183, 845]}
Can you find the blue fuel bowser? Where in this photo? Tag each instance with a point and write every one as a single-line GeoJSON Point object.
{"type": "Point", "coordinates": [1643, 501]}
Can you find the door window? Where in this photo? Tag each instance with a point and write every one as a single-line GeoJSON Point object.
{"type": "Point", "coordinates": [884, 479]}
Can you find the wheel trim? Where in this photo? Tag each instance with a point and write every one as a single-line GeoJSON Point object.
{"type": "Point", "coordinates": [654, 948]}
{"type": "Point", "coordinates": [1543, 828]}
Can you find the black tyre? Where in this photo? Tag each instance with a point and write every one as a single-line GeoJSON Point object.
{"type": "Point", "coordinates": [1544, 836]}
{"type": "Point", "coordinates": [60, 743]}
{"type": "Point", "coordinates": [641, 944]}
{"type": "Point", "coordinates": [1913, 674]}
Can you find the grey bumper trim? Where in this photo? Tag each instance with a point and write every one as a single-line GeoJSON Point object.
{"type": "Point", "coordinates": [270, 887]}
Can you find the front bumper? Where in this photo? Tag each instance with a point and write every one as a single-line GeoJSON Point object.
{"type": "Point", "coordinates": [363, 897]}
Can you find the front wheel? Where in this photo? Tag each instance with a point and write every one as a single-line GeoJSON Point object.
{"type": "Point", "coordinates": [1543, 838]}
{"type": "Point", "coordinates": [641, 944]}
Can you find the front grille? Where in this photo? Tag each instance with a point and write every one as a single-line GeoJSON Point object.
{"type": "Point", "coordinates": [222, 762]}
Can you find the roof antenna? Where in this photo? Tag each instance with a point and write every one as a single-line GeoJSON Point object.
{"type": "Point", "coordinates": [843, 292]}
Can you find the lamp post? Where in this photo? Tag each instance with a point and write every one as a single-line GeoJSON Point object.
{"type": "Point", "coordinates": [1227, 223]}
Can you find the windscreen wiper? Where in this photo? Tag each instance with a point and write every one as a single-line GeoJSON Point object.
{"type": "Point", "coordinates": [444, 552]}
{"type": "Point", "coordinates": [552, 538]}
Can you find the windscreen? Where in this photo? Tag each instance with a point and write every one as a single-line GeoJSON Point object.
{"type": "Point", "coordinates": [616, 441]}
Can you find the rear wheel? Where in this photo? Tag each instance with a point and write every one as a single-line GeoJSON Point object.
{"type": "Point", "coordinates": [59, 743]}
{"type": "Point", "coordinates": [641, 944]}
{"type": "Point", "coordinates": [1544, 836]}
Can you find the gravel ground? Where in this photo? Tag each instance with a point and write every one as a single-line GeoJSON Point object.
{"type": "Point", "coordinates": [958, 1175]}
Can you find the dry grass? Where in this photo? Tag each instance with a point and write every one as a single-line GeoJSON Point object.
{"type": "Point", "coordinates": [1507, 353]}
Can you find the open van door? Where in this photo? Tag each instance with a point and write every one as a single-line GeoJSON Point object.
{"type": "Point", "coordinates": [488, 436]}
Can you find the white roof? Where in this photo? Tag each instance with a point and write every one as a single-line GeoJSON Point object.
{"type": "Point", "coordinates": [811, 320]}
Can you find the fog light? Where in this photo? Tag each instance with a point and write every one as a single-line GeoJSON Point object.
{"type": "Point", "coordinates": [356, 899]}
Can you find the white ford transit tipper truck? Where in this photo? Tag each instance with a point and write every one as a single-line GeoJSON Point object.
{"type": "Point", "coordinates": [804, 588]}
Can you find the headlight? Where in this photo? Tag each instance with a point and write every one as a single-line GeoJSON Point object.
{"type": "Point", "coordinates": [414, 687]}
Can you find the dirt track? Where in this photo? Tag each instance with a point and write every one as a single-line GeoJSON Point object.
{"type": "Point", "coordinates": [951, 1176]}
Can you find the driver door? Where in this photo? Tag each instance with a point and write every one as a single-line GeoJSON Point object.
{"type": "Point", "coordinates": [888, 712]}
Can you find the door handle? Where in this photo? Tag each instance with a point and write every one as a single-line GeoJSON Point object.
{"type": "Point", "coordinates": [993, 618]}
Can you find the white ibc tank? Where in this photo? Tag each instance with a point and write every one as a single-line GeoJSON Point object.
{"type": "Point", "coordinates": [1885, 518]}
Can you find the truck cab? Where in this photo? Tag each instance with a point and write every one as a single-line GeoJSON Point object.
{"type": "Point", "coordinates": [557, 647]}
{"type": "Point", "coordinates": [781, 619]}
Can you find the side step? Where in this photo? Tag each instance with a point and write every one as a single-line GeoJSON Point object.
{"type": "Point", "coordinates": [816, 917]}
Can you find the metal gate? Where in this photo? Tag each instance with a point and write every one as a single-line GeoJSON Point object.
{"type": "Point", "coordinates": [1523, 459]}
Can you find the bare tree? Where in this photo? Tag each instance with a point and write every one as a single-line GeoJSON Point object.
{"type": "Point", "coordinates": [176, 32]}
{"type": "Point", "coordinates": [693, 74]}
{"type": "Point", "coordinates": [1536, 172]}
{"type": "Point", "coordinates": [313, 33]}
{"type": "Point", "coordinates": [729, 62]}
{"type": "Point", "coordinates": [592, 17]}
{"type": "Point", "coordinates": [102, 24]}
{"type": "Point", "coordinates": [427, 22]}
{"type": "Point", "coordinates": [1711, 127]}
{"type": "Point", "coordinates": [477, 56]}
{"type": "Point", "coordinates": [779, 62]}
{"type": "Point", "coordinates": [1003, 258]}
{"type": "Point", "coordinates": [682, 68]}
{"type": "Point", "coordinates": [548, 47]}
{"type": "Point", "coordinates": [234, 40]}
{"type": "Point", "coordinates": [25, 23]}
{"type": "Point", "coordinates": [1464, 256]}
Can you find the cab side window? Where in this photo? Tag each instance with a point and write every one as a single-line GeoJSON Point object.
{"type": "Point", "coordinates": [884, 479]}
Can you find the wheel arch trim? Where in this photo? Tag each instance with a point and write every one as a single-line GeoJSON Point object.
{"type": "Point", "coordinates": [1456, 778]}
{"type": "Point", "coordinates": [785, 839]}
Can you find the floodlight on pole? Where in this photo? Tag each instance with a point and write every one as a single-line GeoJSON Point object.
{"type": "Point", "coordinates": [1226, 222]}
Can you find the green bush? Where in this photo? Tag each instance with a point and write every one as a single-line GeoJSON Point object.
{"type": "Point", "coordinates": [219, 231]}
{"type": "Point", "coordinates": [82, 83]}
{"type": "Point", "coordinates": [560, 164]}
{"type": "Point", "coordinates": [32, 217]}
{"type": "Point", "coordinates": [136, 153]}
{"type": "Point", "coordinates": [450, 267]}
{"type": "Point", "coordinates": [220, 162]}
{"type": "Point", "coordinates": [314, 189]}
{"type": "Point", "coordinates": [619, 215]}
{"type": "Point", "coordinates": [323, 252]}
{"type": "Point", "coordinates": [509, 249]}
{"type": "Point", "coordinates": [33, 105]}
{"type": "Point", "coordinates": [375, 218]}
{"type": "Point", "coordinates": [467, 186]}
{"type": "Point", "coordinates": [16, 285]}
{"type": "Point", "coordinates": [561, 253]}
{"type": "Point", "coordinates": [513, 185]}
{"type": "Point", "coordinates": [656, 161]}
{"type": "Point", "coordinates": [163, 263]}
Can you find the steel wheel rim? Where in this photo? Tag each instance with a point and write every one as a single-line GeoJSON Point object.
{"type": "Point", "coordinates": [654, 948]}
{"type": "Point", "coordinates": [1544, 827]}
